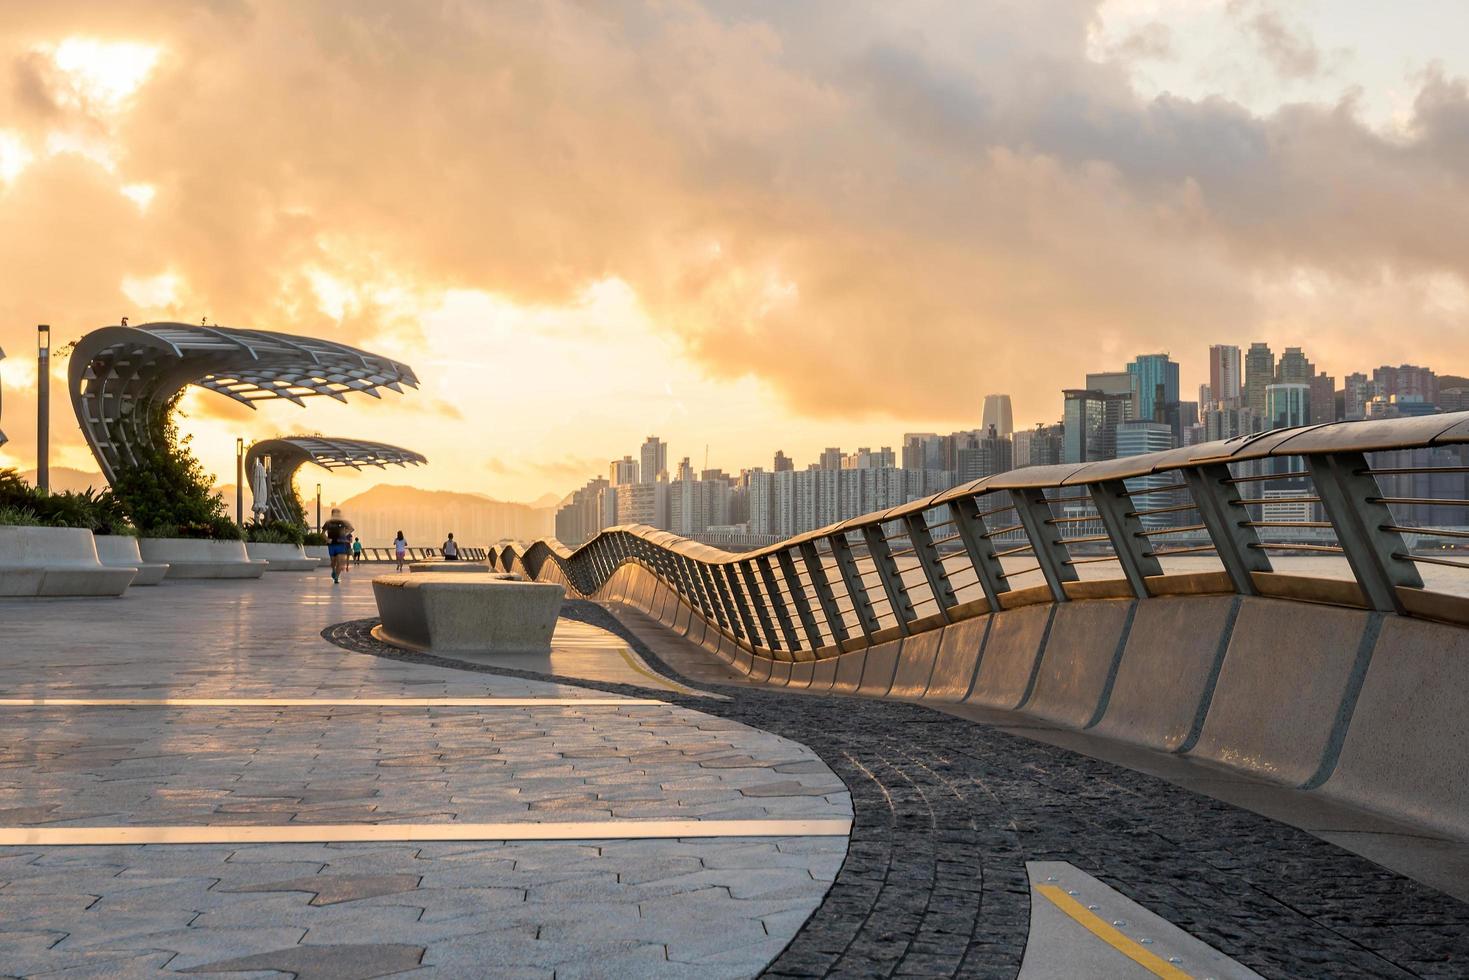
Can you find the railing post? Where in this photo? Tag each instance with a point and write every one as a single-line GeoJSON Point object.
{"type": "Point", "coordinates": [887, 574]}
{"type": "Point", "coordinates": [1034, 511]}
{"type": "Point", "coordinates": [1236, 543]}
{"type": "Point", "coordinates": [782, 609]}
{"type": "Point", "coordinates": [841, 550]}
{"type": "Point", "coordinates": [1351, 498]}
{"type": "Point", "coordinates": [797, 593]}
{"type": "Point", "coordinates": [932, 565]}
{"type": "Point", "coordinates": [1119, 519]}
{"type": "Point", "coordinates": [767, 629]}
{"type": "Point", "coordinates": [699, 599]}
{"type": "Point", "coordinates": [811, 558]}
{"type": "Point", "coordinates": [981, 550]}
{"type": "Point", "coordinates": [718, 601]}
{"type": "Point", "coordinates": [744, 626]}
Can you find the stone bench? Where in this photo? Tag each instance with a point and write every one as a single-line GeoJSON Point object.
{"type": "Point", "coordinates": [121, 551]}
{"type": "Point", "coordinates": [202, 558]}
{"type": "Point", "coordinates": [281, 557]}
{"type": "Point", "coordinates": [449, 567]}
{"type": "Point", "coordinates": [449, 612]}
{"type": "Point", "coordinates": [56, 561]}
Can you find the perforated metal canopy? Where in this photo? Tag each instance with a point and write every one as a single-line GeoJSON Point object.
{"type": "Point", "coordinates": [284, 456]}
{"type": "Point", "coordinates": [118, 375]}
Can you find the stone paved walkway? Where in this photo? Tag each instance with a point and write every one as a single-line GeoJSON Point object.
{"type": "Point", "coordinates": [599, 907]}
{"type": "Point", "coordinates": [948, 813]}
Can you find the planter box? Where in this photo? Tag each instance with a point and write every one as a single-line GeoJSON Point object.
{"type": "Point", "coordinates": [121, 551]}
{"type": "Point", "coordinates": [318, 551]}
{"type": "Point", "coordinates": [201, 558]}
{"type": "Point", "coordinates": [282, 557]}
{"type": "Point", "coordinates": [448, 567]}
{"type": "Point", "coordinates": [56, 561]}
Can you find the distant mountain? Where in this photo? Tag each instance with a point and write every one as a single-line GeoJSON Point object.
{"type": "Point", "coordinates": [427, 516]}
{"type": "Point", "coordinates": [549, 500]}
{"type": "Point", "coordinates": [65, 478]}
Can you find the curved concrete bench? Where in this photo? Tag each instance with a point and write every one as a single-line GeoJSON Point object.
{"type": "Point", "coordinates": [56, 561]}
{"type": "Point", "coordinates": [281, 557]}
{"type": "Point", "coordinates": [318, 551]}
{"type": "Point", "coordinates": [201, 558]}
{"type": "Point", "coordinates": [449, 567]}
{"type": "Point", "coordinates": [454, 613]}
{"type": "Point", "coordinates": [121, 551]}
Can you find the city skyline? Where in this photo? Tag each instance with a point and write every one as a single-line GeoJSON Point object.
{"type": "Point", "coordinates": [694, 262]}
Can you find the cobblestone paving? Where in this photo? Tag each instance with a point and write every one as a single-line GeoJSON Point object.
{"type": "Point", "coordinates": [699, 907]}
{"type": "Point", "coordinates": [947, 812]}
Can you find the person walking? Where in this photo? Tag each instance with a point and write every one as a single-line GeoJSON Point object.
{"type": "Point", "coordinates": [451, 548]}
{"type": "Point", "coordinates": [356, 551]}
{"type": "Point", "coordinates": [339, 536]}
{"type": "Point", "coordinates": [400, 549]}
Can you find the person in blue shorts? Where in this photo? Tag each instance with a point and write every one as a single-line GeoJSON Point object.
{"type": "Point", "coordinates": [339, 536]}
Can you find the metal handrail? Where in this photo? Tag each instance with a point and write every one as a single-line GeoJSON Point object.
{"type": "Point", "coordinates": [829, 590]}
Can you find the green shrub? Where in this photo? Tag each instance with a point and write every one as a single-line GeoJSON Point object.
{"type": "Point", "coordinates": [98, 511]}
{"type": "Point", "coordinates": [18, 517]}
{"type": "Point", "coordinates": [166, 492]}
{"type": "Point", "coordinates": [314, 538]}
{"type": "Point", "coordinates": [274, 532]}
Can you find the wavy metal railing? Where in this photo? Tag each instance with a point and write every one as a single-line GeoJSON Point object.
{"type": "Point", "coordinates": [1201, 519]}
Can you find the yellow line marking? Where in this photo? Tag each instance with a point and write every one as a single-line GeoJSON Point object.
{"type": "Point", "coordinates": [1154, 964]}
{"type": "Point", "coordinates": [324, 702]}
{"type": "Point", "coordinates": [632, 661]}
{"type": "Point", "coordinates": [335, 833]}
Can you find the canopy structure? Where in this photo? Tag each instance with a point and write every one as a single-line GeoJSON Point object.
{"type": "Point", "coordinates": [119, 376]}
{"type": "Point", "coordinates": [283, 457]}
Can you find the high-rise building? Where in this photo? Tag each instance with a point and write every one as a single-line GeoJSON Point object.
{"type": "Point", "coordinates": [783, 462]}
{"type": "Point", "coordinates": [998, 415]}
{"type": "Point", "coordinates": [654, 459]}
{"type": "Point", "coordinates": [1294, 368]}
{"type": "Point", "coordinates": [579, 518]}
{"type": "Point", "coordinates": [1287, 405]}
{"type": "Point", "coordinates": [922, 451]}
{"type": "Point", "coordinates": [1226, 380]}
{"type": "Point", "coordinates": [1259, 374]}
{"type": "Point", "coordinates": [1323, 398]}
{"type": "Point", "coordinates": [1134, 438]}
{"type": "Point", "coordinates": [1357, 392]}
{"type": "Point", "coordinates": [1228, 423]}
{"type": "Point", "coordinates": [1406, 381]}
{"type": "Point", "coordinates": [1155, 381]}
{"type": "Point", "coordinates": [831, 458]}
{"type": "Point", "coordinates": [1040, 446]}
{"type": "Point", "coordinates": [1115, 383]}
{"type": "Point", "coordinates": [1090, 423]}
{"type": "Point", "coordinates": [643, 503]}
{"type": "Point", "coordinates": [984, 455]}
{"type": "Point", "coordinates": [621, 471]}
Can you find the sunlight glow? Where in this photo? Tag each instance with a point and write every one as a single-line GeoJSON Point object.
{"type": "Point", "coordinates": [14, 156]}
{"type": "Point", "coordinates": [152, 292]}
{"type": "Point", "coordinates": [100, 75]}
{"type": "Point", "coordinates": [140, 194]}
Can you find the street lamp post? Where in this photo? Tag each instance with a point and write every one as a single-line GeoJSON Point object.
{"type": "Point", "coordinates": [43, 407]}
{"type": "Point", "coordinates": [318, 508]}
{"type": "Point", "coordinates": [240, 482]}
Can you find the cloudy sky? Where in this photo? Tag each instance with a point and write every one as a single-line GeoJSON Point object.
{"type": "Point", "coordinates": [746, 224]}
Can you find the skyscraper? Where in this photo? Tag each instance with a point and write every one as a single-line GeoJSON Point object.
{"type": "Point", "coordinates": [1225, 379]}
{"type": "Point", "coordinates": [831, 458]}
{"type": "Point", "coordinates": [783, 462]}
{"type": "Point", "coordinates": [1090, 423]}
{"type": "Point", "coordinates": [1134, 438]}
{"type": "Point", "coordinates": [1155, 380]}
{"type": "Point", "coordinates": [997, 414]}
{"type": "Point", "coordinates": [655, 459]}
{"type": "Point", "coordinates": [1259, 373]}
{"type": "Point", "coordinates": [621, 471]}
{"type": "Point", "coordinates": [1287, 405]}
{"type": "Point", "coordinates": [1294, 368]}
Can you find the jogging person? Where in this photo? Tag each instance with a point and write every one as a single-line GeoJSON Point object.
{"type": "Point", "coordinates": [356, 551]}
{"type": "Point", "coordinates": [400, 549]}
{"type": "Point", "coordinates": [339, 536]}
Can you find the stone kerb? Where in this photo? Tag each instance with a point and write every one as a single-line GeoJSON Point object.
{"type": "Point", "coordinates": [121, 551]}
{"type": "Point", "coordinates": [202, 558]}
{"type": "Point", "coordinates": [281, 557]}
{"type": "Point", "coordinates": [56, 561]}
{"type": "Point", "coordinates": [466, 614]}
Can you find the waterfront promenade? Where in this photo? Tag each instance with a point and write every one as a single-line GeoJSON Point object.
{"type": "Point", "coordinates": [318, 804]}
{"type": "Point", "coordinates": [214, 711]}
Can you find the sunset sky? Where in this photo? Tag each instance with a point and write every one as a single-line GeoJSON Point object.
{"type": "Point", "coordinates": [751, 224]}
